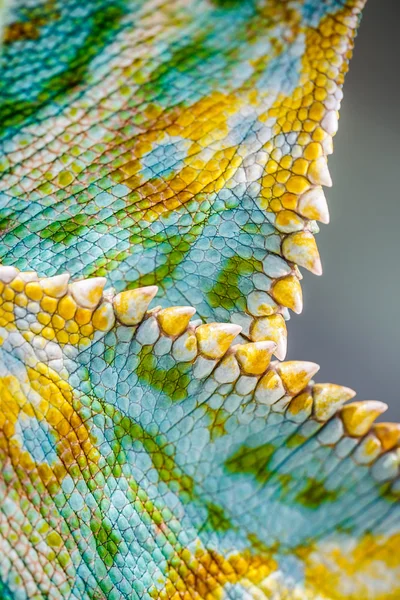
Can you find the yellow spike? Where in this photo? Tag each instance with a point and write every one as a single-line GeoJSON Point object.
{"type": "Point", "coordinates": [130, 306]}
{"type": "Point", "coordinates": [271, 328]}
{"type": "Point", "coordinates": [388, 434]}
{"type": "Point", "coordinates": [287, 292]}
{"type": "Point", "coordinates": [255, 357]}
{"type": "Point", "coordinates": [56, 286]}
{"type": "Point", "coordinates": [359, 416]}
{"type": "Point", "coordinates": [296, 374]}
{"type": "Point", "coordinates": [175, 319]}
{"type": "Point", "coordinates": [214, 339]}
{"type": "Point", "coordinates": [88, 292]}
{"type": "Point", "coordinates": [328, 397]}
{"type": "Point", "coordinates": [301, 248]}
{"type": "Point", "coordinates": [313, 205]}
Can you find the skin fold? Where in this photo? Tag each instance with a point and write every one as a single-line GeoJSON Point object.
{"type": "Point", "coordinates": [162, 171]}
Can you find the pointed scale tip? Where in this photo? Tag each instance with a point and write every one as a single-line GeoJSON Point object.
{"type": "Point", "coordinates": [131, 305]}
{"type": "Point", "coordinates": [318, 172]}
{"type": "Point", "coordinates": [313, 205]}
{"type": "Point", "coordinates": [301, 249]}
{"type": "Point", "coordinates": [388, 434]}
{"type": "Point", "coordinates": [214, 339]}
{"type": "Point", "coordinates": [254, 358]}
{"type": "Point", "coordinates": [56, 286]}
{"type": "Point", "coordinates": [287, 292]}
{"type": "Point", "coordinates": [175, 319]}
{"type": "Point", "coordinates": [296, 374]}
{"type": "Point", "coordinates": [358, 417]}
{"type": "Point", "coordinates": [328, 398]}
{"type": "Point", "coordinates": [88, 292]}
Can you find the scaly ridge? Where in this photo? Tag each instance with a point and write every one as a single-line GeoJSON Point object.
{"type": "Point", "coordinates": [143, 453]}
{"type": "Point", "coordinates": [223, 176]}
{"type": "Point", "coordinates": [359, 416]}
{"type": "Point", "coordinates": [130, 306]}
{"type": "Point", "coordinates": [264, 427]}
{"type": "Point", "coordinates": [189, 342]}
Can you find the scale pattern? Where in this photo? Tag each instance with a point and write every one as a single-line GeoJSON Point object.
{"type": "Point", "coordinates": [177, 151]}
{"type": "Point", "coordinates": [176, 144]}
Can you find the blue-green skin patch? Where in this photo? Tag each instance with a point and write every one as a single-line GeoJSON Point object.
{"type": "Point", "coordinates": [36, 438]}
{"type": "Point", "coordinates": [232, 491]}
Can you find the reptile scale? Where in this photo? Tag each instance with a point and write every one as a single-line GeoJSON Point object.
{"type": "Point", "coordinates": [176, 150]}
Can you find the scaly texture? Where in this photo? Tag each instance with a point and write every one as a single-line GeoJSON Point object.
{"type": "Point", "coordinates": [179, 144]}
{"type": "Point", "coordinates": [143, 454]}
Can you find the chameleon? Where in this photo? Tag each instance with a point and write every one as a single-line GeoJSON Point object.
{"type": "Point", "coordinates": [176, 153]}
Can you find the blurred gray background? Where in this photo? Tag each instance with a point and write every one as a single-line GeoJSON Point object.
{"type": "Point", "coordinates": [351, 319]}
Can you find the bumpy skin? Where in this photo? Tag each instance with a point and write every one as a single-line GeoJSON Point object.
{"type": "Point", "coordinates": [179, 144]}
{"type": "Point", "coordinates": [145, 455]}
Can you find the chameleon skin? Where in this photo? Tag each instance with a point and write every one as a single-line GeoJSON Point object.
{"type": "Point", "coordinates": [177, 144]}
{"type": "Point", "coordinates": [146, 455]}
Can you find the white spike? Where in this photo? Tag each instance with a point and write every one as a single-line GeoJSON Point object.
{"type": "Point", "coordinates": [87, 292]}
{"type": "Point", "coordinates": [313, 205]}
{"type": "Point", "coordinates": [130, 306]}
{"type": "Point", "coordinates": [56, 286]}
{"type": "Point", "coordinates": [330, 122]}
{"type": "Point", "coordinates": [318, 172]}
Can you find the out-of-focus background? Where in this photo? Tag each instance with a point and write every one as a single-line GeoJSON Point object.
{"type": "Point", "coordinates": [351, 319]}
